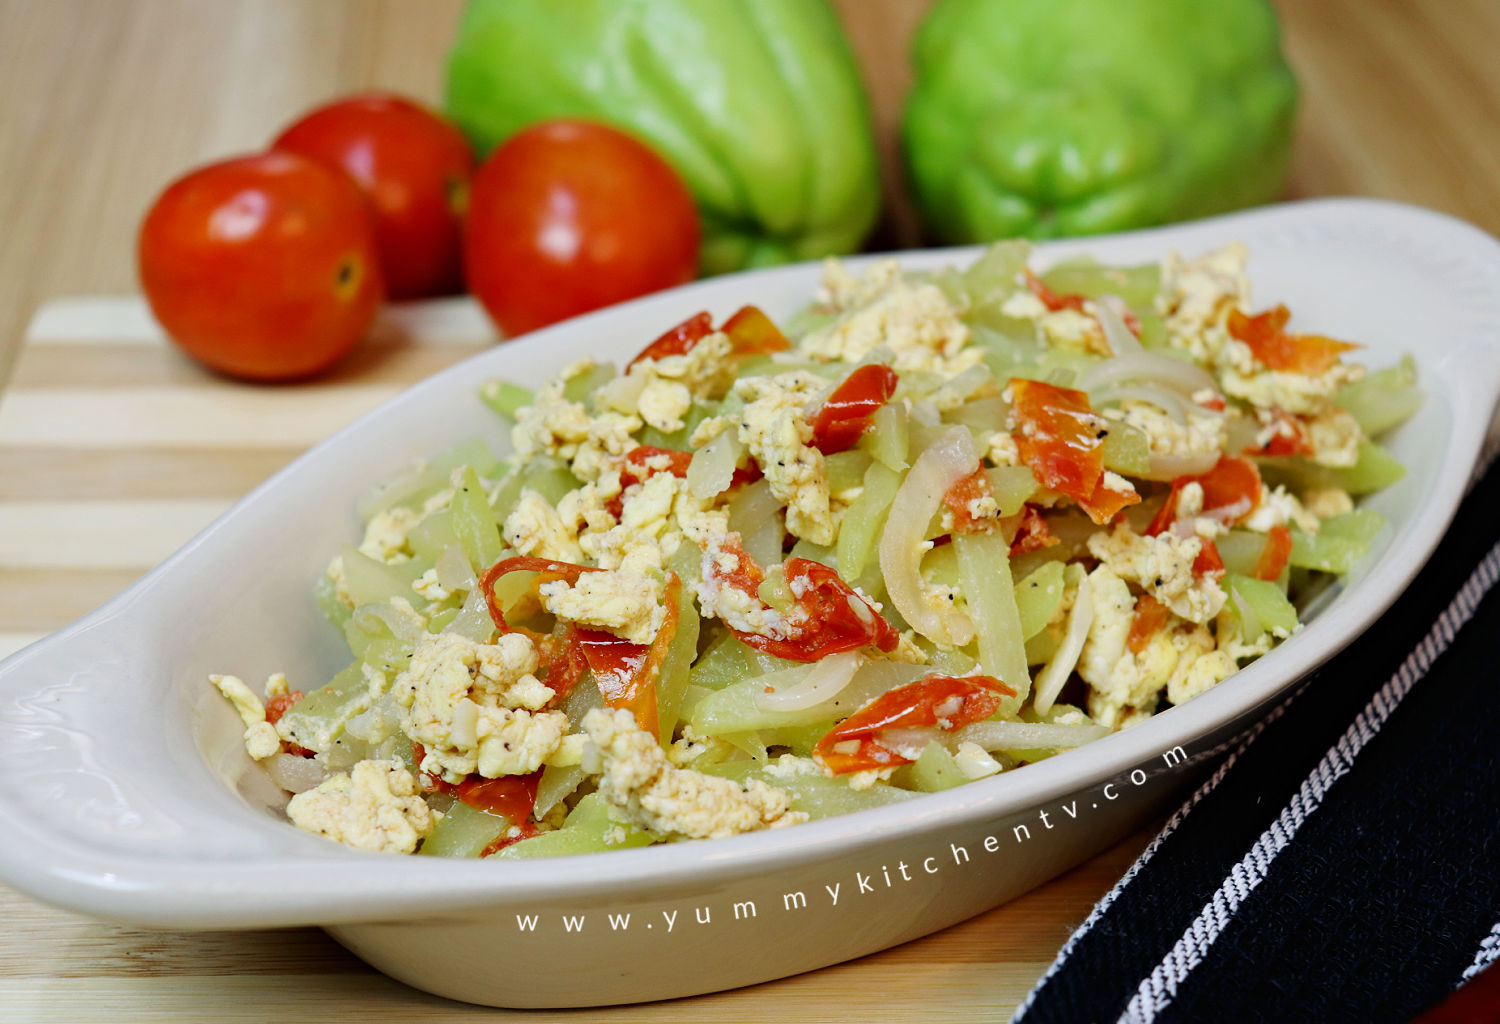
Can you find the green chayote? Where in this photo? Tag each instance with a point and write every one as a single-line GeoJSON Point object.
{"type": "Point", "coordinates": [756, 103]}
{"type": "Point", "coordinates": [1082, 116]}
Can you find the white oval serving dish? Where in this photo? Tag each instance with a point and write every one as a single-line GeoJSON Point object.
{"type": "Point", "coordinates": [125, 792]}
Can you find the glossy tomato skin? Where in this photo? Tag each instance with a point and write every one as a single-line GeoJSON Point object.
{"type": "Point", "coordinates": [414, 168]}
{"type": "Point", "coordinates": [568, 216]}
{"type": "Point", "coordinates": [261, 267]}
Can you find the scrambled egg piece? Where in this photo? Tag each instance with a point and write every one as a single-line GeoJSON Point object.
{"type": "Point", "coordinates": [1279, 508]}
{"type": "Point", "coordinates": [1002, 450]}
{"type": "Point", "coordinates": [1197, 295]}
{"type": "Point", "coordinates": [867, 779]}
{"type": "Point", "coordinates": [386, 532]}
{"type": "Point", "coordinates": [429, 588]}
{"type": "Point", "coordinates": [690, 748]}
{"type": "Point", "coordinates": [608, 440]}
{"type": "Point", "coordinates": [1335, 436]}
{"type": "Point", "coordinates": [1121, 680]}
{"type": "Point", "coordinates": [1324, 502]}
{"type": "Point", "coordinates": [476, 707]}
{"type": "Point", "coordinates": [374, 807]}
{"type": "Point", "coordinates": [645, 530]}
{"type": "Point", "coordinates": [553, 425]}
{"type": "Point", "coordinates": [625, 602]}
{"type": "Point", "coordinates": [913, 320]}
{"type": "Point", "coordinates": [261, 738]}
{"type": "Point", "coordinates": [1300, 393]}
{"type": "Point", "coordinates": [534, 527]}
{"type": "Point", "coordinates": [1200, 435]}
{"type": "Point", "coordinates": [1125, 686]}
{"type": "Point", "coordinates": [1163, 566]}
{"type": "Point", "coordinates": [789, 766]}
{"type": "Point", "coordinates": [975, 762]}
{"type": "Point", "coordinates": [586, 508]}
{"type": "Point", "coordinates": [637, 779]}
{"type": "Point", "coordinates": [776, 432]}
{"type": "Point", "coordinates": [1063, 328]}
{"type": "Point", "coordinates": [730, 605]}
{"type": "Point", "coordinates": [661, 391]}
{"type": "Point", "coordinates": [335, 573]}
{"type": "Point", "coordinates": [842, 290]}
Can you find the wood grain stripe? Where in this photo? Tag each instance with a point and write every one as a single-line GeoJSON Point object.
{"type": "Point", "coordinates": [53, 474]}
{"type": "Point", "coordinates": [101, 364]}
{"type": "Point", "coordinates": [41, 600]}
{"type": "Point", "coordinates": [146, 417]}
{"type": "Point", "coordinates": [933, 995]}
{"type": "Point", "coordinates": [120, 534]}
{"type": "Point", "coordinates": [126, 320]}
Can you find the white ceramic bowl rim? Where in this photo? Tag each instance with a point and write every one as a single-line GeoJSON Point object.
{"type": "Point", "coordinates": [309, 880]}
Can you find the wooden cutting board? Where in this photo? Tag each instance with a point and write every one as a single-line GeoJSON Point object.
{"type": "Point", "coordinates": [114, 450]}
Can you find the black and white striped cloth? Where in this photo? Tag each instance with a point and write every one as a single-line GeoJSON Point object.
{"type": "Point", "coordinates": [1343, 864]}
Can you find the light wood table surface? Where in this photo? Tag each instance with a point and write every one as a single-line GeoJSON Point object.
{"type": "Point", "coordinates": [103, 102]}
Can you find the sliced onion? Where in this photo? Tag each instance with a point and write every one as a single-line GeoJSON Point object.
{"type": "Point", "coordinates": [1228, 514]}
{"type": "Point", "coordinates": [1170, 467]}
{"type": "Point", "coordinates": [943, 463]}
{"type": "Point", "coordinates": [755, 513]}
{"type": "Point", "coordinates": [877, 677]}
{"type": "Point", "coordinates": [827, 680]}
{"type": "Point", "coordinates": [405, 625]}
{"type": "Point", "coordinates": [952, 393]}
{"type": "Point", "coordinates": [1050, 680]}
{"type": "Point", "coordinates": [473, 619]}
{"type": "Point", "coordinates": [1179, 374]}
{"type": "Point", "coordinates": [454, 570]}
{"type": "Point", "coordinates": [1028, 735]}
{"type": "Point", "coordinates": [1165, 399]}
{"type": "Point", "coordinates": [295, 774]}
{"type": "Point", "coordinates": [712, 469]}
{"type": "Point", "coordinates": [923, 411]}
{"type": "Point", "coordinates": [1121, 341]}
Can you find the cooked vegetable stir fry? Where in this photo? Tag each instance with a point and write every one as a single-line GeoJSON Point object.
{"type": "Point", "coordinates": [946, 525]}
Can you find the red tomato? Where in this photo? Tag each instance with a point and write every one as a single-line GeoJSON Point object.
{"type": "Point", "coordinates": [1032, 534]}
{"type": "Point", "coordinates": [1289, 438]}
{"type": "Point", "coordinates": [834, 617]}
{"type": "Point", "coordinates": [645, 460]}
{"type": "Point", "coordinates": [1231, 490]}
{"type": "Point", "coordinates": [1061, 439]}
{"type": "Point", "coordinates": [569, 216]}
{"type": "Point", "coordinates": [262, 266]}
{"type": "Point", "coordinates": [510, 796]}
{"type": "Point", "coordinates": [750, 333]}
{"type": "Point", "coordinates": [1150, 616]}
{"type": "Point", "coordinates": [1266, 335]}
{"type": "Point", "coordinates": [281, 704]}
{"type": "Point", "coordinates": [626, 673]}
{"type": "Point", "coordinates": [944, 702]}
{"type": "Point", "coordinates": [677, 341]}
{"type": "Point", "coordinates": [960, 497]}
{"type": "Point", "coordinates": [851, 409]}
{"type": "Point", "coordinates": [413, 167]}
{"type": "Point", "coordinates": [1055, 302]}
{"type": "Point", "coordinates": [1274, 556]}
{"type": "Point", "coordinates": [1209, 562]}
